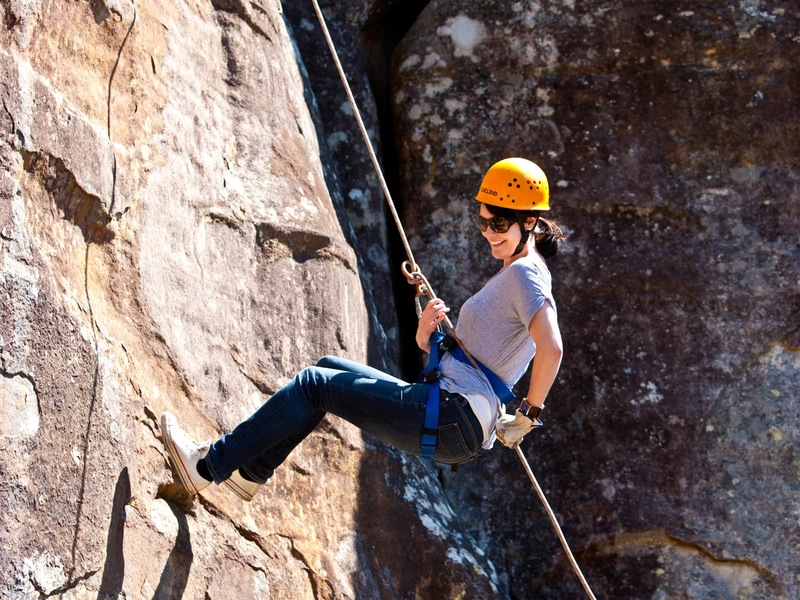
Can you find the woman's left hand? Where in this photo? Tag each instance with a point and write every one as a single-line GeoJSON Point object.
{"type": "Point", "coordinates": [511, 429]}
{"type": "Point", "coordinates": [432, 315]}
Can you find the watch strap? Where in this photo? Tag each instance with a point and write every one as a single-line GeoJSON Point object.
{"type": "Point", "coordinates": [530, 411]}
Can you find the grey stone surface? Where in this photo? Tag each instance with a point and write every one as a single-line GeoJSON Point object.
{"type": "Point", "coordinates": [669, 448]}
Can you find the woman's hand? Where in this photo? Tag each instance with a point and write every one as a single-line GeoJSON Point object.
{"type": "Point", "coordinates": [433, 314]}
{"type": "Point", "coordinates": [511, 429]}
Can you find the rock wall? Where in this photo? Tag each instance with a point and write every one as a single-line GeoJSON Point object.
{"type": "Point", "coordinates": [168, 241]}
{"type": "Point", "coordinates": [186, 219]}
{"type": "Point", "coordinates": [670, 449]}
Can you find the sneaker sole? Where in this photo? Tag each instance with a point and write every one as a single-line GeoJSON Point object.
{"type": "Point", "coordinates": [238, 490]}
{"type": "Point", "coordinates": [180, 467]}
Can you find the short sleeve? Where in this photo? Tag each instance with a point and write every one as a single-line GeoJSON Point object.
{"type": "Point", "coordinates": [529, 290]}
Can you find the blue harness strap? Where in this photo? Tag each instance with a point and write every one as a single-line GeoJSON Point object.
{"type": "Point", "coordinates": [440, 344]}
{"type": "Point", "coordinates": [430, 376]}
{"type": "Point", "coordinates": [498, 387]}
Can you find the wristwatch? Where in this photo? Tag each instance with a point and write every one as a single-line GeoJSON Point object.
{"type": "Point", "coordinates": [530, 411]}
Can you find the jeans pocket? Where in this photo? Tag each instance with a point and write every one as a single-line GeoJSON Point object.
{"type": "Point", "coordinates": [451, 448]}
{"type": "Point", "coordinates": [460, 436]}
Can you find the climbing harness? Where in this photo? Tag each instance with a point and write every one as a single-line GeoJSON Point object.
{"type": "Point", "coordinates": [414, 275]}
{"type": "Point", "coordinates": [430, 377]}
{"type": "Point", "coordinates": [441, 344]}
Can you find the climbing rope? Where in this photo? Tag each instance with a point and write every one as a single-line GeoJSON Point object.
{"type": "Point", "coordinates": [364, 133]}
{"type": "Point", "coordinates": [414, 275]}
{"type": "Point", "coordinates": [410, 268]}
{"type": "Point", "coordinates": [554, 521]}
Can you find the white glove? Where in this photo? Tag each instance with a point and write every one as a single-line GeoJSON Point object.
{"type": "Point", "coordinates": [512, 428]}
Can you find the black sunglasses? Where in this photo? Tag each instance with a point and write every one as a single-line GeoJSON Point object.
{"type": "Point", "coordinates": [497, 224]}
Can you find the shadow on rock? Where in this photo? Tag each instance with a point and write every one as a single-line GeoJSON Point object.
{"type": "Point", "coordinates": [176, 572]}
{"type": "Point", "coordinates": [114, 568]}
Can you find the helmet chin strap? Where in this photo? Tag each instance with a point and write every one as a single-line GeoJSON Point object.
{"type": "Point", "coordinates": [526, 233]}
{"type": "Point", "coordinates": [522, 242]}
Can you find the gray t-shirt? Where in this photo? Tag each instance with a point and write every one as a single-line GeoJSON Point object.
{"type": "Point", "coordinates": [493, 326]}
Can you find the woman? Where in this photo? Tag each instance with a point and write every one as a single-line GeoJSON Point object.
{"type": "Point", "coordinates": [511, 319]}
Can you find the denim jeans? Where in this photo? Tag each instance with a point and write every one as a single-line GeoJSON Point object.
{"type": "Point", "coordinates": [388, 408]}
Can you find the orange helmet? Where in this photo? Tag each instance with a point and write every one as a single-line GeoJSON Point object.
{"type": "Point", "coordinates": [515, 183]}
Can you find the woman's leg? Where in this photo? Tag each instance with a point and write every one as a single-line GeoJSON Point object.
{"type": "Point", "coordinates": [343, 364]}
{"type": "Point", "coordinates": [384, 406]}
{"type": "Point", "coordinates": [263, 466]}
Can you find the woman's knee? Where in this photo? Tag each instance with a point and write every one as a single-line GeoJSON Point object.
{"type": "Point", "coordinates": [327, 362]}
{"type": "Point", "coordinates": [308, 376]}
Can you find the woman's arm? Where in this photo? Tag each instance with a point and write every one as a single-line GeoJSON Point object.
{"type": "Point", "coordinates": [547, 337]}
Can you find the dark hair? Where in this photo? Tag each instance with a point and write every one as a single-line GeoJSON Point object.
{"type": "Point", "coordinates": [548, 237]}
{"type": "Point", "coordinates": [548, 234]}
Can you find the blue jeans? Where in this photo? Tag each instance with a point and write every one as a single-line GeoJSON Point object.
{"type": "Point", "coordinates": [388, 408]}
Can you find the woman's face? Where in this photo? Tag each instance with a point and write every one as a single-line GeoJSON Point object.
{"type": "Point", "coordinates": [503, 244]}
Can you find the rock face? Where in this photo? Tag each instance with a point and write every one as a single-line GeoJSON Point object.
{"type": "Point", "coordinates": [187, 218]}
{"type": "Point", "coordinates": [670, 450]}
{"type": "Point", "coordinates": [168, 242]}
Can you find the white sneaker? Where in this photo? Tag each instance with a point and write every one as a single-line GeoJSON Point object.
{"type": "Point", "coordinates": [185, 454]}
{"type": "Point", "coordinates": [242, 487]}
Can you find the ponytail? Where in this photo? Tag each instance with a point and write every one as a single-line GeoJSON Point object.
{"type": "Point", "coordinates": [548, 236]}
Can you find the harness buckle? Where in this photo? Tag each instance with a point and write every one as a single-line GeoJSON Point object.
{"type": "Point", "coordinates": [447, 343]}
{"type": "Point", "coordinates": [431, 376]}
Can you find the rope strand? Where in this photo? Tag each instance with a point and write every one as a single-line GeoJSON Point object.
{"type": "Point", "coordinates": [364, 133]}
{"type": "Point", "coordinates": [421, 282]}
{"type": "Point", "coordinates": [554, 521]}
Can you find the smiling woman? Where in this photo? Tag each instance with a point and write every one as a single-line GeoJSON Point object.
{"type": "Point", "coordinates": [515, 190]}
{"type": "Point", "coordinates": [508, 323]}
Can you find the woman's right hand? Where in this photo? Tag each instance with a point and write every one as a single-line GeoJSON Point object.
{"type": "Point", "coordinates": [432, 315]}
